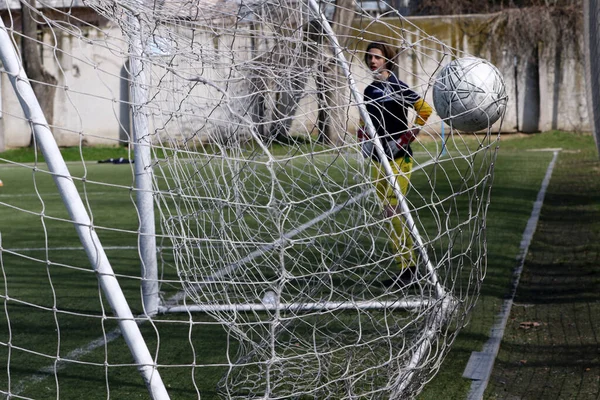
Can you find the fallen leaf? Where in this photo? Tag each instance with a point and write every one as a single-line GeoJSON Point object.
{"type": "Point", "coordinates": [529, 324]}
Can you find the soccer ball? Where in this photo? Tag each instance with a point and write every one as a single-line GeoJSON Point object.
{"type": "Point", "coordinates": [269, 298]}
{"type": "Point", "coordinates": [469, 94]}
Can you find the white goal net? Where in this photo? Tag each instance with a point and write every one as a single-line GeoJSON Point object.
{"type": "Point", "coordinates": [271, 267]}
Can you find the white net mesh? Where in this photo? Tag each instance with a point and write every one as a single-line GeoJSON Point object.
{"type": "Point", "coordinates": [268, 210]}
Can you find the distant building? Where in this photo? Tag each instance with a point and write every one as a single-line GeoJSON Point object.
{"type": "Point", "coordinates": [404, 7]}
{"type": "Point", "coordinates": [378, 7]}
{"type": "Point", "coordinates": [374, 7]}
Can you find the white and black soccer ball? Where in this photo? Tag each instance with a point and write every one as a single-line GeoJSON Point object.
{"type": "Point", "coordinates": [269, 298]}
{"type": "Point", "coordinates": [469, 94]}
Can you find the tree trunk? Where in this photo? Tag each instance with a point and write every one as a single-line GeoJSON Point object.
{"type": "Point", "coordinates": [331, 84]}
{"type": "Point", "coordinates": [291, 89]}
{"type": "Point", "coordinates": [42, 82]}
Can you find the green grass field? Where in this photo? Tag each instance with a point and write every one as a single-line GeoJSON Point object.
{"type": "Point", "coordinates": [53, 305]}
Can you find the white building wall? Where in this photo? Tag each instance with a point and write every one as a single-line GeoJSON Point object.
{"type": "Point", "coordinates": [88, 108]}
{"type": "Point", "coordinates": [88, 95]}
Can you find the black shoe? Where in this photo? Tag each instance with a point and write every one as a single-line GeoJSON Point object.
{"type": "Point", "coordinates": [406, 277]}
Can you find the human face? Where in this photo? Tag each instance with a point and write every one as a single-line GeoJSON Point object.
{"type": "Point", "coordinates": [376, 61]}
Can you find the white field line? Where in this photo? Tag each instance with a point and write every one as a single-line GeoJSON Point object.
{"type": "Point", "coordinates": [44, 195]}
{"type": "Point", "coordinates": [63, 362]}
{"type": "Point", "coordinates": [76, 354]}
{"type": "Point", "coordinates": [480, 365]}
{"type": "Point", "coordinates": [76, 248]}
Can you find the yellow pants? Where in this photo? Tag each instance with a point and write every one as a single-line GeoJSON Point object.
{"type": "Point", "coordinates": [401, 239]}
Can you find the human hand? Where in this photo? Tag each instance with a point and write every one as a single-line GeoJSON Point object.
{"type": "Point", "coordinates": [366, 144]}
{"type": "Point", "coordinates": [362, 135]}
{"type": "Point", "coordinates": [407, 137]}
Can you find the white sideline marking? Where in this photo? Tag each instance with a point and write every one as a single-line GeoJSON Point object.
{"type": "Point", "coordinates": [79, 248]}
{"type": "Point", "coordinates": [480, 365]}
{"type": "Point", "coordinates": [63, 362]}
{"type": "Point", "coordinates": [51, 194]}
{"type": "Point", "coordinates": [74, 248]}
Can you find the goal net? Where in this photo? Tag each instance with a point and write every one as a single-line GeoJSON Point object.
{"type": "Point", "coordinates": [269, 266]}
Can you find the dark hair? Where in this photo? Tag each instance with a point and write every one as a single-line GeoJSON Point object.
{"type": "Point", "coordinates": [388, 53]}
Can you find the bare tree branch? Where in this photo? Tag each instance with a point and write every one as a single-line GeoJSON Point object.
{"type": "Point", "coordinates": [42, 82]}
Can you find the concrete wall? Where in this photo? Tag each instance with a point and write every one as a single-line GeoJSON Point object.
{"type": "Point", "coordinates": [548, 95]}
{"type": "Point", "coordinates": [91, 103]}
{"type": "Point", "coordinates": [87, 100]}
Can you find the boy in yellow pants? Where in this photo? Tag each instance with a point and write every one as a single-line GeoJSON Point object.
{"type": "Point", "coordinates": [387, 100]}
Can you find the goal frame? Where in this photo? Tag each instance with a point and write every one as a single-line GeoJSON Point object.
{"type": "Point", "coordinates": [67, 190]}
{"type": "Point", "coordinates": [143, 170]}
{"type": "Point", "coordinates": [591, 37]}
{"type": "Point", "coordinates": [442, 302]}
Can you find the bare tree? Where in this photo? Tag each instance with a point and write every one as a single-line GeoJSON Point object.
{"type": "Point", "coordinates": [291, 87]}
{"type": "Point", "coordinates": [287, 91]}
{"type": "Point", "coordinates": [42, 82]}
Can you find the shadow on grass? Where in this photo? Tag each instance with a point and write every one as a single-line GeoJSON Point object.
{"type": "Point", "coordinates": [551, 344]}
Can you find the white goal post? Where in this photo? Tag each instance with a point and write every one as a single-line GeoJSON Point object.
{"type": "Point", "coordinates": [78, 214]}
{"type": "Point", "coordinates": [144, 172]}
{"type": "Point", "coordinates": [591, 10]}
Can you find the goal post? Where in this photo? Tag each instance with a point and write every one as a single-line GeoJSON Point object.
{"type": "Point", "coordinates": [83, 225]}
{"type": "Point", "coordinates": [591, 35]}
{"type": "Point", "coordinates": [370, 130]}
{"type": "Point", "coordinates": [142, 142]}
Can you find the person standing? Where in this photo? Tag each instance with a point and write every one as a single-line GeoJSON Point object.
{"type": "Point", "coordinates": [387, 100]}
